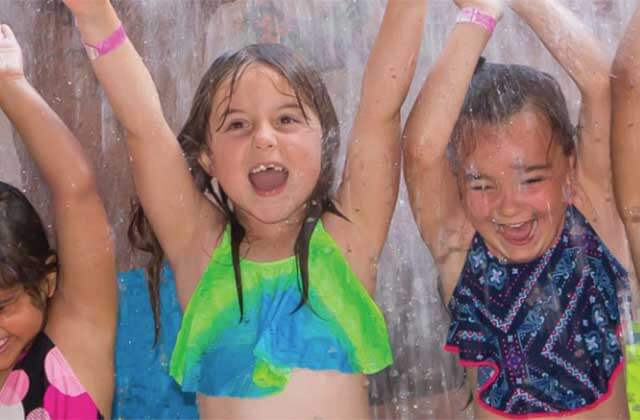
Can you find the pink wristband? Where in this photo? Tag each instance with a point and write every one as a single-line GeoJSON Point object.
{"type": "Point", "coordinates": [473, 15]}
{"type": "Point", "coordinates": [107, 45]}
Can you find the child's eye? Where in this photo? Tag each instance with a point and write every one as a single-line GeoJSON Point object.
{"type": "Point", "coordinates": [287, 119]}
{"type": "Point", "coordinates": [534, 180]}
{"type": "Point", "coordinates": [5, 305]}
{"type": "Point", "coordinates": [480, 187]}
{"type": "Point", "coordinates": [235, 125]}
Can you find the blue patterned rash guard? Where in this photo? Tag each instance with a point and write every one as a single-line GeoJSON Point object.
{"type": "Point", "coordinates": [543, 334]}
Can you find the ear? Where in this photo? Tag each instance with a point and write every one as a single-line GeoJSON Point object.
{"type": "Point", "coordinates": [572, 163]}
{"type": "Point", "coordinates": [50, 282]}
{"type": "Point", "coordinates": [207, 164]}
{"type": "Point", "coordinates": [569, 187]}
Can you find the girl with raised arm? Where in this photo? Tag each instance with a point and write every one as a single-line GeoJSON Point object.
{"type": "Point", "coordinates": [625, 147]}
{"type": "Point", "coordinates": [276, 275]}
{"type": "Point", "coordinates": [57, 308]}
{"type": "Point", "coordinates": [515, 204]}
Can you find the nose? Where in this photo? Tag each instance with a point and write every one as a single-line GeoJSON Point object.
{"type": "Point", "coordinates": [508, 202]}
{"type": "Point", "coordinates": [264, 137]}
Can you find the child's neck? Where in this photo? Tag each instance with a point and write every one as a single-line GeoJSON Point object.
{"type": "Point", "coordinates": [269, 241]}
{"type": "Point", "coordinates": [3, 377]}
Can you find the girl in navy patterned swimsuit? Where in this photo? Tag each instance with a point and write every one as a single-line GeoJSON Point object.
{"type": "Point", "coordinates": [515, 204]}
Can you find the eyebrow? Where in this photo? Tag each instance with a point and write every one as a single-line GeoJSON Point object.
{"type": "Point", "coordinates": [288, 105]}
{"type": "Point", "coordinates": [532, 168]}
{"type": "Point", "coordinates": [7, 300]}
{"type": "Point", "coordinates": [474, 176]}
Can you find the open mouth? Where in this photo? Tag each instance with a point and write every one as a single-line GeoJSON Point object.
{"type": "Point", "coordinates": [3, 343]}
{"type": "Point", "coordinates": [517, 233]}
{"type": "Point", "coordinates": [268, 179]}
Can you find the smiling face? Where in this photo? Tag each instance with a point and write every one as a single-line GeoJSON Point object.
{"type": "Point", "coordinates": [265, 151]}
{"type": "Point", "coordinates": [514, 185]}
{"type": "Point", "coordinates": [20, 321]}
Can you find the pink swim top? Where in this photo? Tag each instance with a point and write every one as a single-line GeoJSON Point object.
{"type": "Point", "coordinates": [43, 386]}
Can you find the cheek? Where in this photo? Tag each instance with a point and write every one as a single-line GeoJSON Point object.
{"type": "Point", "coordinates": [225, 157]}
{"type": "Point", "coordinates": [309, 157]}
{"type": "Point", "coordinates": [23, 320]}
{"type": "Point", "coordinates": [222, 149]}
{"type": "Point", "coordinates": [548, 200]}
{"type": "Point", "coordinates": [478, 205]}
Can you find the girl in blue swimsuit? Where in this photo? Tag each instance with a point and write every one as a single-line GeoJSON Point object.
{"type": "Point", "coordinates": [515, 204]}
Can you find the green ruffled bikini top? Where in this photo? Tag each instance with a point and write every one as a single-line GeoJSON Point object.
{"type": "Point", "coordinates": [339, 328]}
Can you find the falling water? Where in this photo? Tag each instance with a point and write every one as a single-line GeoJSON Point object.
{"type": "Point", "coordinates": [178, 40]}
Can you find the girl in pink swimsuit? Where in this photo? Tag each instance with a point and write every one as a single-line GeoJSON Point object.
{"type": "Point", "coordinates": [57, 308]}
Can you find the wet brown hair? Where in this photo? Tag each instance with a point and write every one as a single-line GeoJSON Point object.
{"type": "Point", "coordinates": [194, 139]}
{"type": "Point", "coordinates": [25, 256]}
{"type": "Point", "coordinates": [499, 91]}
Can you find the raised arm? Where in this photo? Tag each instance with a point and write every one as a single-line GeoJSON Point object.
{"type": "Point", "coordinates": [87, 279]}
{"type": "Point", "coordinates": [164, 184]}
{"type": "Point", "coordinates": [584, 59]}
{"type": "Point", "coordinates": [433, 190]}
{"type": "Point", "coordinates": [625, 140]}
{"type": "Point", "coordinates": [370, 182]}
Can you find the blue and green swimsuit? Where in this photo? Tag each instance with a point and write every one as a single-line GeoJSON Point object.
{"type": "Point", "coordinates": [339, 328]}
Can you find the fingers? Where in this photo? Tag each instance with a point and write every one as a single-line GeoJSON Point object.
{"type": "Point", "coordinates": [7, 32]}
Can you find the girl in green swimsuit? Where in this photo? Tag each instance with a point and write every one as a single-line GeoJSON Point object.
{"type": "Point", "coordinates": [283, 310]}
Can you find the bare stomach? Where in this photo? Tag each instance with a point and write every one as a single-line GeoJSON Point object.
{"type": "Point", "coordinates": [308, 395]}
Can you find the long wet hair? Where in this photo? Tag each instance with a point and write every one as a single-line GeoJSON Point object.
{"type": "Point", "coordinates": [25, 256]}
{"type": "Point", "coordinates": [499, 91]}
{"type": "Point", "coordinates": [194, 138]}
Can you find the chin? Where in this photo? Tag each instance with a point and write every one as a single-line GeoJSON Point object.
{"type": "Point", "coordinates": [8, 360]}
{"type": "Point", "coordinates": [277, 216]}
{"type": "Point", "coordinates": [524, 255]}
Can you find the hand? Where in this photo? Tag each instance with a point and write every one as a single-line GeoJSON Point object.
{"type": "Point", "coordinates": [493, 7]}
{"type": "Point", "coordinates": [10, 55]}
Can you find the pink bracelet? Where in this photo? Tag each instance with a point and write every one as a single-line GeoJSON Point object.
{"type": "Point", "coordinates": [107, 45]}
{"type": "Point", "coordinates": [473, 15]}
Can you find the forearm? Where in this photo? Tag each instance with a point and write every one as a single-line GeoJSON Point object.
{"type": "Point", "coordinates": [625, 142]}
{"type": "Point", "coordinates": [392, 61]}
{"type": "Point", "coordinates": [124, 76]}
{"type": "Point", "coordinates": [52, 146]}
{"type": "Point", "coordinates": [626, 64]}
{"type": "Point", "coordinates": [432, 187]}
{"type": "Point", "coordinates": [437, 108]}
{"type": "Point", "coordinates": [570, 42]}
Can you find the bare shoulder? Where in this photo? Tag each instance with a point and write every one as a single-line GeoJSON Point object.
{"type": "Point", "coordinates": [89, 351]}
{"type": "Point", "coordinates": [600, 210]}
{"type": "Point", "coordinates": [352, 241]}
{"type": "Point", "coordinates": [190, 266]}
{"type": "Point", "coordinates": [449, 250]}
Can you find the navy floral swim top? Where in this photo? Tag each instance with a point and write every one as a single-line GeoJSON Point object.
{"type": "Point", "coordinates": [543, 334]}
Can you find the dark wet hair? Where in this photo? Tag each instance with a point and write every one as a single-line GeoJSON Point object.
{"type": "Point", "coordinates": [25, 255]}
{"type": "Point", "coordinates": [499, 91]}
{"type": "Point", "coordinates": [194, 138]}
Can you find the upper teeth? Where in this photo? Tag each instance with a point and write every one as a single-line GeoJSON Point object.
{"type": "Point", "coordinates": [262, 168]}
{"type": "Point", "coordinates": [517, 225]}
